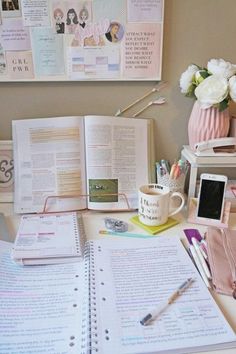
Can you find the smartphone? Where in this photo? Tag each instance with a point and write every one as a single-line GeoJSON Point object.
{"type": "Point", "coordinates": [211, 196]}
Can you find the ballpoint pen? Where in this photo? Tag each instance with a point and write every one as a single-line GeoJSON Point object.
{"type": "Point", "coordinates": [157, 311]}
{"type": "Point", "coordinates": [201, 258]}
{"type": "Point", "coordinates": [199, 266]}
{"type": "Point", "coordinates": [203, 250]}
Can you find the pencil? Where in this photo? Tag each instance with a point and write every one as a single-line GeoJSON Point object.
{"type": "Point", "coordinates": [124, 234]}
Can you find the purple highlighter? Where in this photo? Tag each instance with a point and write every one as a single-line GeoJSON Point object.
{"type": "Point", "coordinates": [189, 233]}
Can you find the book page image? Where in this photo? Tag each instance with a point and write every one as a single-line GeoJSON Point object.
{"type": "Point", "coordinates": [117, 160]}
{"type": "Point", "coordinates": [49, 161]}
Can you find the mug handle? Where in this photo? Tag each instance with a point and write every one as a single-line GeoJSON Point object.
{"type": "Point", "coordinates": [177, 194]}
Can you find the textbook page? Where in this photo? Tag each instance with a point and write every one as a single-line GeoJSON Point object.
{"type": "Point", "coordinates": [40, 306]}
{"type": "Point", "coordinates": [117, 160]}
{"type": "Point", "coordinates": [49, 160]}
{"type": "Point", "coordinates": [132, 279]}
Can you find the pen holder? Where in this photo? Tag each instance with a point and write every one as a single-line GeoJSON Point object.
{"type": "Point", "coordinates": [175, 184]}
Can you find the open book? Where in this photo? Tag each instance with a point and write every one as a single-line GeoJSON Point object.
{"type": "Point", "coordinates": [95, 306]}
{"type": "Point", "coordinates": [105, 157]}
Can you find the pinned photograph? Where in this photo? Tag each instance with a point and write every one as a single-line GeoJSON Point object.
{"type": "Point", "coordinates": [115, 32]}
{"type": "Point", "coordinates": [10, 8]}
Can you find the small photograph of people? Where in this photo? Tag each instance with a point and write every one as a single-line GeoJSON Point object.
{"type": "Point", "coordinates": [83, 17]}
{"type": "Point", "coordinates": [71, 20]}
{"type": "Point", "coordinates": [115, 32]}
{"type": "Point", "coordinates": [59, 24]}
{"type": "Point", "coordinates": [70, 16]}
{"type": "Point", "coordinates": [10, 5]}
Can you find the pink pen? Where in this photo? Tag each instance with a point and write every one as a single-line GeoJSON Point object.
{"type": "Point", "coordinates": [172, 171]}
{"type": "Point", "coordinates": [176, 171]}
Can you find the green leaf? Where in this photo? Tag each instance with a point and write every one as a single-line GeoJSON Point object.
{"type": "Point", "coordinates": [191, 90]}
{"type": "Point", "coordinates": [223, 105]}
{"type": "Point", "coordinates": [204, 74]}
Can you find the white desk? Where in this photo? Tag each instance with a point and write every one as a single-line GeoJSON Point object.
{"type": "Point", "coordinates": [94, 221]}
{"type": "Point", "coordinates": [205, 162]}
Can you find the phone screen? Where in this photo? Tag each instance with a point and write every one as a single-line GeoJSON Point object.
{"type": "Point", "coordinates": [211, 199]}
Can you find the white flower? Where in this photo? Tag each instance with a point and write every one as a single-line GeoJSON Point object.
{"type": "Point", "coordinates": [213, 90]}
{"type": "Point", "coordinates": [221, 67]}
{"type": "Point", "coordinates": [187, 78]}
{"type": "Point", "coordinates": [232, 87]}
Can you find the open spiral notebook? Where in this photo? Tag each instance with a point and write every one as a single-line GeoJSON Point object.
{"type": "Point", "coordinates": [49, 239]}
{"type": "Point", "coordinates": [95, 306]}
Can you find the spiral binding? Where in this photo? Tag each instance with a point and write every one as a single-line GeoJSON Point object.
{"type": "Point", "coordinates": [93, 303]}
{"type": "Point", "coordinates": [86, 313]}
{"type": "Point", "coordinates": [80, 236]}
{"type": "Point", "coordinates": [91, 306]}
{"type": "Point", "coordinates": [89, 313]}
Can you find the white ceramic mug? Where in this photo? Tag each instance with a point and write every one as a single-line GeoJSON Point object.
{"type": "Point", "coordinates": [154, 204]}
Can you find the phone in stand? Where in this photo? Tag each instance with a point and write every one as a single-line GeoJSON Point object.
{"type": "Point", "coordinates": [211, 196]}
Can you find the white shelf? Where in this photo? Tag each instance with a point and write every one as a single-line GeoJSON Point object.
{"type": "Point", "coordinates": [203, 161]}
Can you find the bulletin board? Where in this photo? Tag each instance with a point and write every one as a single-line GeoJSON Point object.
{"type": "Point", "coordinates": [64, 40]}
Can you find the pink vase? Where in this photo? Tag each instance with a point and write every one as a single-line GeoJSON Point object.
{"type": "Point", "coordinates": [206, 124]}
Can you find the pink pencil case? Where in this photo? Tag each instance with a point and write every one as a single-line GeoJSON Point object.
{"type": "Point", "coordinates": [221, 247]}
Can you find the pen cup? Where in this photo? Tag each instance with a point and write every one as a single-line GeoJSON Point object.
{"type": "Point", "coordinates": [174, 184]}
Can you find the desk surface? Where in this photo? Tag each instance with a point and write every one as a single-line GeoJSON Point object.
{"type": "Point", "coordinates": [94, 221]}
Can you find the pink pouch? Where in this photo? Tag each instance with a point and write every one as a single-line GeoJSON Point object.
{"type": "Point", "coordinates": [221, 247]}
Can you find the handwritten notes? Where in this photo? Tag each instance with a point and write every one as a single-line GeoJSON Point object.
{"type": "Point", "coordinates": [143, 275]}
{"type": "Point", "coordinates": [40, 307]}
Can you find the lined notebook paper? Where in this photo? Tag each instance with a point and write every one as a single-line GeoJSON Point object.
{"type": "Point", "coordinates": [41, 307]}
{"type": "Point", "coordinates": [95, 306]}
{"type": "Point", "coordinates": [130, 278]}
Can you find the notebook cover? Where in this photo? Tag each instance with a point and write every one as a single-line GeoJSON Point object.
{"type": "Point", "coordinates": [154, 229]}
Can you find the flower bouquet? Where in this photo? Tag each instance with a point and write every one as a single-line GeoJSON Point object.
{"type": "Point", "coordinates": [213, 88]}
{"type": "Point", "coordinates": [214, 85]}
